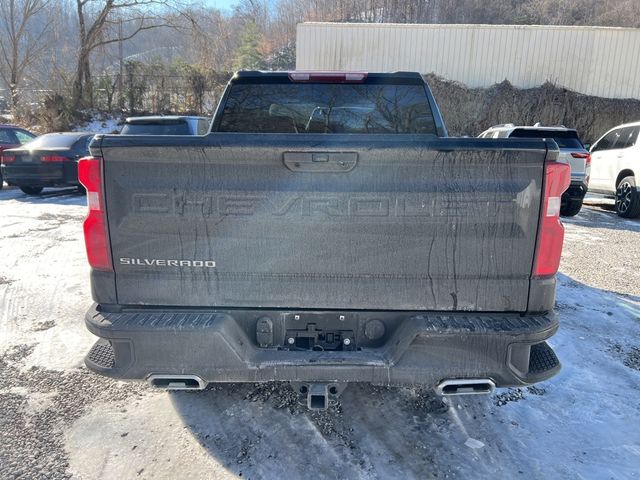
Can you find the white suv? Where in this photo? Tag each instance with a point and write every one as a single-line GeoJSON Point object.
{"type": "Point", "coordinates": [572, 152]}
{"type": "Point", "coordinates": [616, 166]}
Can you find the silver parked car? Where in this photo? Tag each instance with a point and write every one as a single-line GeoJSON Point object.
{"type": "Point", "coordinates": [572, 152]}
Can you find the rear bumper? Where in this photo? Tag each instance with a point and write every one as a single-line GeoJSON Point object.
{"type": "Point", "coordinates": [41, 175]}
{"type": "Point", "coordinates": [576, 191]}
{"type": "Point", "coordinates": [415, 348]}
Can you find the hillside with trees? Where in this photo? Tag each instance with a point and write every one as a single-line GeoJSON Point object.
{"type": "Point", "coordinates": [61, 60]}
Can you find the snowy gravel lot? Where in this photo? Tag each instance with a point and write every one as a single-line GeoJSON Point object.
{"type": "Point", "coordinates": [57, 420]}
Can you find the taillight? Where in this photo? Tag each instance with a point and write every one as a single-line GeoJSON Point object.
{"type": "Point", "coordinates": [557, 177]}
{"type": "Point", "coordinates": [52, 158]}
{"type": "Point", "coordinates": [96, 235]}
{"type": "Point", "coordinates": [8, 159]}
{"type": "Point", "coordinates": [328, 77]}
{"type": "Point", "coordinates": [581, 155]}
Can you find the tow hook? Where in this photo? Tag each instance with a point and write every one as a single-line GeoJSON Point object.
{"type": "Point", "coordinates": [319, 396]}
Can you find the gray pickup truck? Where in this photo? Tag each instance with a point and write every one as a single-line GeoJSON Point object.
{"type": "Point", "coordinates": [326, 231]}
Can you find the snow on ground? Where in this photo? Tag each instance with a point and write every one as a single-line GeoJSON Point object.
{"type": "Point", "coordinates": [43, 276]}
{"type": "Point", "coordinates": [58, 419]}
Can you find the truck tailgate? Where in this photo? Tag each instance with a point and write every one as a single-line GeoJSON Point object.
{"type": "Point", "coordinates": [391, 222]}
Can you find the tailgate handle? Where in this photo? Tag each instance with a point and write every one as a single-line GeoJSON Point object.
{"type": "Point", "coordinates": [330, 162]}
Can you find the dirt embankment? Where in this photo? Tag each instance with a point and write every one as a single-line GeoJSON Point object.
{"type": "Point", "coordinates": [470, 111]}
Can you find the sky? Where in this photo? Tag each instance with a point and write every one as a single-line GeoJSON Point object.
{"type": "Point", "coordinates": [221, 4]}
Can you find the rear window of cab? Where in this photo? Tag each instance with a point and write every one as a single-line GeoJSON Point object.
{"type": "Point", "coordinates": [327, 108]}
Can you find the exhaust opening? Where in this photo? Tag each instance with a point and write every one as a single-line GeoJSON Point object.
{"type": "Point", "coordinates": [176, 382]}
{"type": "Point", "coordinates": [466, 387]}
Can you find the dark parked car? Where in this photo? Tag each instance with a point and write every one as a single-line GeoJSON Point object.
{"type": "Point", "coordinates": [166, 125]}
{"type": "Point", "coordinates": [48, 161]}
{"type": "Point", "coordinates": [12, 137]}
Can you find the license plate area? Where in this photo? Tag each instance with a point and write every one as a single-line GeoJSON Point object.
{"type": "Point", "coordinates": [330, 332]}
{"type": "Point", "coordinates": [314, 338]}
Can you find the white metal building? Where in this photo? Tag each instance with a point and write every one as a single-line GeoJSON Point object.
{"type": "Point", "coordinates": [599, 61]}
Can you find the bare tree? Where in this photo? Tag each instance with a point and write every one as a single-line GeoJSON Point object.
{"type": "Point", "coordinates": [96, 22]}
{"type": "Point", "coordinates": [211, 39]}
{"type": "Point", "coordinates": [22, 32]}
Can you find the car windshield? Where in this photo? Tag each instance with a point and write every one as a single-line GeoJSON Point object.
{"type": "Point", "coordinates": [55, 140]}
{"type": "Point", "coordinates": [327, 108]}
{"type": "Point", "coordinates": [162, 127]}
{"type": "Point", "coordinates": [564, 139]}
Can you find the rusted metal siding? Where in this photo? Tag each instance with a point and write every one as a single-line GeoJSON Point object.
{"type": "Point", "coordinates": [599, 61]}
